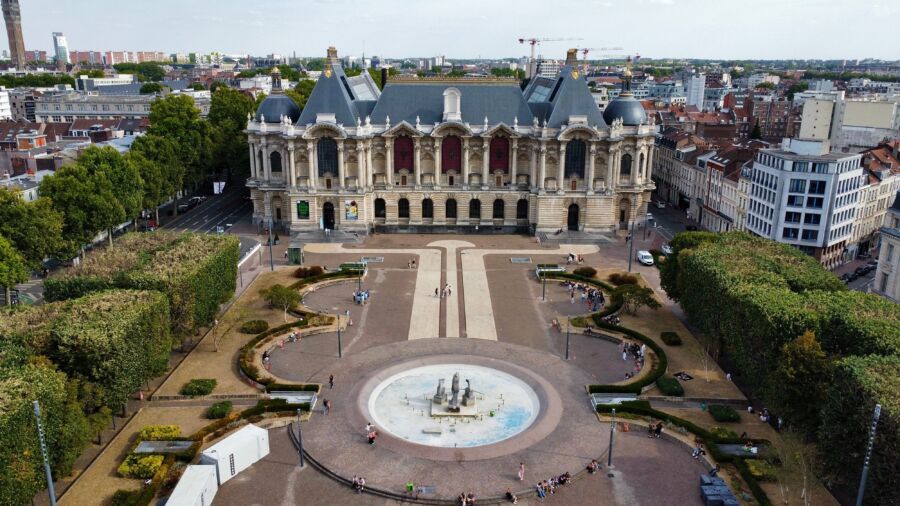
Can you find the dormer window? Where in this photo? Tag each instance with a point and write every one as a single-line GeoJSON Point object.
{"type": "Point", "coordinates": [452, 111]}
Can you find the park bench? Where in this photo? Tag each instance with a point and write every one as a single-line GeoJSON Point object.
{"type": "Point", "coordinates": [296, 397]}
{"type": "Point", "coordinates": [611, 398]}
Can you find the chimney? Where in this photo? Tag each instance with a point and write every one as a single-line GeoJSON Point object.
{"type": "Point", "coordinates": [572, 57]}
{"type": "Point", "coordinates": [331, 57]}
{"type": "Point", "coordinates": [384, 77]}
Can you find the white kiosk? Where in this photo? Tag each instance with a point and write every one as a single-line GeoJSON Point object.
{"type": "Point", "coordinates": [237, 451]}
{"type": "Point", "coordinates": [197, 487]}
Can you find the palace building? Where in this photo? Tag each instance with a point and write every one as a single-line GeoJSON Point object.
{"type": "Point", "coordinates": [444, 154]}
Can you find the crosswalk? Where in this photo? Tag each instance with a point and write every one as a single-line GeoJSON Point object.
{"type": "Point", "coordinates": [31, 292]}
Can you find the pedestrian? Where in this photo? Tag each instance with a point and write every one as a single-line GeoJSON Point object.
{"type": "Point", "coordinates": [511, 497]}
{"type": "Point", "coordinates": [728, 376]}
{"type": "Point", "coordinates": [372, 435]}
{"type": "Point", "coordinates": [521, 471]}
{"type": "Point", "coordinates": [539, 488]}
{"type": "Point", "coordinates": [714, 471]}
{"type": "Point", "coordinates": [436, 292]}
{"type": "Point", "coordinates": [658, 431]}
{"type": "Point", "coordinates": [331, 381]}
{"type": "Point", "coordinates": [326, 405]}
{"type": "Point", "coordinates": [369, 428]}
{"type": "Point", "coordinates": [624, 356]}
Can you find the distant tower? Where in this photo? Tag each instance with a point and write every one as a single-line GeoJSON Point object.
{"type": "Point", "coordinates": [61, 48]}
{"type": "Point", "coordinates": [13, 17]}
{"type": "Point", "coordinates": [332, 57]}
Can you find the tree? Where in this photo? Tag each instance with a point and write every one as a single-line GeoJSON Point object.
{"type": "Point", "coordinates": [13, 269]}
{"type": "Point", "coordinates": [301, 92]}
{"type": "Point", "coordinates": [146, 71]}
{"type": "Point", "coordinates": [765, 85]}
{"type": "Point", "coordinates": [796, 88]}
{"type": "Point", "coordinates": [756, 133]}
{"type": "Point", "coordinates": [796, 386]}
{"type": "Point", "coordinates": [228, 117]}
{"type": "Point", "coordinates": [151, 88]}
{"type": "Point", "coordinates": [176, 118]}
{"type": "Point", "coordinates": [197, 87]}
{"type": "Point", "coordinates": [281, 297]}
{"type": "Point", "coordinates": [634, 297]}
{"type": "Point", "coordinates": [33, 228]}
{"type": "Point", "coordinates": [216, 85]}
{"type": "Point", "coordinates": [124, 176]}
{"type": "Point", "coordinates": [163, 179]}
{"type": "Point", "coordinates": [87, 203]}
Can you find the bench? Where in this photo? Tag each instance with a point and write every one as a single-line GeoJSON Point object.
{"type": "Point", "coordinates": [298, 397]}
{"type": "Point", "coordinates": [611, 398]}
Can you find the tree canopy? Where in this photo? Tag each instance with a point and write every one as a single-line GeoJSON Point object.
{"type": "Point", "coordinates": [33, 228]}
{"type": "Point", "coordinates": [228, 118]}
{"type": "Point", "coordinates": [176, 118]}
{"type": "Point", "coordinates": [146, 71]}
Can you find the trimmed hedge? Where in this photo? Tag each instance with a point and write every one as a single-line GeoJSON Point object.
{"type": "Point", "coordinates": [140, 466]}
{"type": "Point", "coordinates": [303, 387]}
{"type": "Point", "coordinates": [254, 327]}
{"type": "Point", "coordinates": [198, 386]}
{"type": "Point", "coordinates": [622, 278]}
{"type": "Point", "coordinates": [308, 272]}
{"type": "Point", "coordinates": [197, 272]}
{"type": "Point", "coordinates": [710, 440]}
{"type": "Point", "coordinates": [724, 414]}
{"type": "Point", "coordinates": [658, 369]}
{"type": "Point", "coordinates": [159, 433]}
{"type": "Point", "coordinates": [670, 338]}
{"type": "Point", "coordinates": [587, 272]}
{"type": "Point", "coordinates": [219, 410]}
{"type": "Point", "coordinates": [670, 386]}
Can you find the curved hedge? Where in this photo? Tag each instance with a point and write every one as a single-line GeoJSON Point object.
{"type": "Point", "coordinates": [659, 368]}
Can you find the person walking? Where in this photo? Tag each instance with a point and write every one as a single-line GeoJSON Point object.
{"type": "Point", "coordinates": [521, 471]}
{"type": "Point", "coordinates": [331, 381]}
{"type": "Point", "coordinates": [326, 406]}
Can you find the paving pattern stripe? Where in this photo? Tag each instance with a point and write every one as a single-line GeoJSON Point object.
{"type": "Point", "coordinates": [452, 302]}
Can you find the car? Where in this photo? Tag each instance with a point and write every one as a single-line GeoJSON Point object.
{"type": "Point", "coordinates": [845, 277]}
{"type": "Point", "coordinates": [196, 201]}
{"type": "Point", "coordinates": [660, 204]}
{"type": "Point", "coordinates": [667, 249]}
{"type": "Point", "coordinates": [645, 257]}
{"type": "Point", "coordinates": [183, 208]}
{"type": "Point", "coordinates": [852, 277]}
{"type": "Point", "coordinates": [649, 216]}
{"type": "Point", "coordinates": [691, 228]}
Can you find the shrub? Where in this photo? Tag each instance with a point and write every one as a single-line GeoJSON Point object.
{"type": "Point", "coordinates": [140, 466]}
{"type": "Point", "coordinates": [670, 338]}
{"type": "Point", "coordinates": [623, 278]}
{"type": "Point", "coordinates": [218, 410]}
{"type": "Point", "coordinates": [724, 414]}
{"type": "Point", "coordinates": [308, 272]}
{"type": "Point", "coordinates": [159, 433]}
{"type": "Point", "coordinates": [198, 386]}
{"type": "Point", "coordinates": [254, 326]}
{"type": "Point", "coordinates": [587, 272]}
{"type": "Point", "coordinates": [762, 470]}
{"type": "Point", "coordinates": [723, 432]}
{"type": "Point", "coordinates": [670, 386]}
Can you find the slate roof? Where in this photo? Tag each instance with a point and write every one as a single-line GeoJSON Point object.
{"type": "Point", "coordinates": [500, 102]}
{"type": "Point", "coordinates": [346, 97]}
{"type": "Point", "coordinates": [554, 100]}
{"type": "Point", "coordinates": [135, 88]}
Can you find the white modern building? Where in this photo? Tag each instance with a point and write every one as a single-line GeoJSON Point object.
{"type": "Point", "coordinates": [5, 106]}
{"type": "Point", "coordinates": [887, 276]}
{"type": "Point", "coordinates": [237, 452]}
{"type": "Point", "coordinates": [61, 48]}
{"type": "Point", "coordinates": [694, 90]}
{"type": "Point", "coordinates": [806, 196]}
{"type": "Point", "coordinates": [197, 487]}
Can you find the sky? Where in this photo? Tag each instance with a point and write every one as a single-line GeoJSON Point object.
{"type": "Point", "coordinates": [713, 29]}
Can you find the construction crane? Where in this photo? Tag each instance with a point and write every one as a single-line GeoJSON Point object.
{"type": "Point", "coordinates": [586, 50]}
{"type": "Point", "coordinates": [534, 41]}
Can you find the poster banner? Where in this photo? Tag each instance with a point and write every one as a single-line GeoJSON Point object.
{"type": "Point", "coordinates": [303, 210]}
{"type": "Point", "coordinates": [351, 210]}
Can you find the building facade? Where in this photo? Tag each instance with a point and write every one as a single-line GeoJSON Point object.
{"type": "Point", "coordinates": [804, 196]}
{"type": "Point", "coordinates": [440, 154]}
{"type": "Point", "coordinates": [61, 50]}
{"type": "Point", "coordinates": [887, 276]}
{"type": "Point", "coordinates": [71, 106]}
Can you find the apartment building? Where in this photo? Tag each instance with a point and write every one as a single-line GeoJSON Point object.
{"type": "Point", "coordinates": [887, 276]}
{"type": "Point", "coordinates": [882, 169]}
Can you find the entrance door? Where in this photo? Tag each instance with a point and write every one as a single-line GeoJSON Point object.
{"type": "Point", "coordinates": [573, 217]}
{"type": "Point", "coordinates": [328, 216]}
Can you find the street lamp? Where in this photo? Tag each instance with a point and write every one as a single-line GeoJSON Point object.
{"type": "Point", "coordinates": [568, 328]}
{"type": "Point", "coordinates": [865, 471]}
{"type": "Point", "coordinates": [340, 347]}
{"type": "Point", "coordinates": [271, 245]}
{"type": "Point", "coordinates": [40, 427]}
{"type": "Point", "coordinates": [631, 246]}
{"type": "Point", "coordinates": [300, 437]}
{"type": "Point", "coordinates": [543, 286]}
{"type": "Point", "coordinates": [612, 430]}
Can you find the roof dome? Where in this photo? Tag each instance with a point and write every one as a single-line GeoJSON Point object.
{"type": "Point", "coordinates": [626, 108]}
{"type": "Point", "coordinates": [275, 106]}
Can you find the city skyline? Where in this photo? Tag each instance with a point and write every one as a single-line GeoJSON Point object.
{"type": "Point", "coordinates": [803, 29]}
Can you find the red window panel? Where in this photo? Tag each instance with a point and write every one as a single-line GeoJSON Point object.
{"type": "Point", "coordinates": [403, 153]}
{"type": "Point", "coordinates": [499, 154]}
{"type": "Point", "coordinates": [451, 154]}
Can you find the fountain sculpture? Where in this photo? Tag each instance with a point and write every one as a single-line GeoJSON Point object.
{"type": "Point", "coordinates": [442, 406]}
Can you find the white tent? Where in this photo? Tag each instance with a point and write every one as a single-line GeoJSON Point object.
{"type": "Point", "coordinates": [237, 451]}
{"type": "Point", "coordinates": [197, 487]}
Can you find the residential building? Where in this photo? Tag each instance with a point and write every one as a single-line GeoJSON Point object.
{"type": "Point", "coordinates": [67, 107]}
{"type": "Point", "coordinates": [85, 83]}
{"type": "Point", "coordinates": [802, 194]}
{"type": "Point", "coordinates": [772, 114]}
{"type": "Point", "coordinates": [720, 202]}
{"type": "Point", "coordinates": [678, 181]}
{"type": "Point", "coordinates": [714, 97]}
{"type": "Point", "coordinates": [86, 57]}
{"type": "Point", "coordinates": [882, 168]}
{"type": "Point", "coordinates": [887, 275]}
{"type": "Point", "coordinates": [12, 15]}
{"type": "Point", "coordinates": [5, 106]}
{"type": "Point", "coordinates": [547, 68]}
{"type": "Point", "coordinates": [439, 154]}
{"type": "Point", "coordinates": [21, 104]}
{"type": "Point", "coordinates": [61, 50]}
{"type": "Point", "coordinates": [695, 89]}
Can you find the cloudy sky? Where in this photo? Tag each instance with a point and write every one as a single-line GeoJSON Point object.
{"type": "Point", "coordinates": [716, 29]}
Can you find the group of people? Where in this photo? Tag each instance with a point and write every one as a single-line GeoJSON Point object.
{"type": "Point", "coordinates": [443, 292]}
{"type": "Point", "coordinates": [411, 264]}
{"type": "Point", "coordinates": [466, 499]}
{"type": "Point", "coordinates": [572, 258]}
{"type": "Point", "coordinates": [636, 352]}
{"type": "Point", "coordinates": [655, 430]}
{"type": "Point", "coordinates": [361, 297]}
{"type": "Point", "coordinates": [590, 296]}
{"type": "Point", "coordinates": [549, 486]}
{"type": "Point", "coordinates": [359, 484]}
{"type": "Point", "coordinates": [766, 416]}
{"type": "Point", "coordinates": [698, 450]}
{"type": "Point", "coordinates": [371, 433]}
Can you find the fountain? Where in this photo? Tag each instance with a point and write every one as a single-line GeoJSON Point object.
{"type": "Point", "coordinates": [408, 406]}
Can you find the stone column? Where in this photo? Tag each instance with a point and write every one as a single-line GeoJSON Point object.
{"type": "Point", "coordinates": [313, 164]}
{"type": "Point", "coordinates": [369, 171]}
{"type": "Point", "coordinates": [253, 173]}
{"type": "Point", "coordinates": [532, 173]}
{"type": "Point", "coordinates": [465, 162]}
{"type": "Point", "coordinates": [360, 165]}
{"type": "Point", "coordinates": [590, 169]}
{"type": "Point", "coordinates": [389, 163]}
{"type": "Point", "coordinates": [342, 182]}
{"type": "Point", "coordinates": [417, 162]}
{"type": "Point", "coordinates": [485, 163]}
{"type": "Point", "coordinates": [561, 168]}
{"type": "Point", "coordinates": [610, 168]}
{"type": "Point", "coordinates": [513, 164]}
{"type": "Point", "coordinates": [437, 162]}
{"type": "Point", "coordinates": [267, 162]}
{"type": "Point", "coordinates": [543, 167]}
{"type": "Point", "coordinates": [292, 178]}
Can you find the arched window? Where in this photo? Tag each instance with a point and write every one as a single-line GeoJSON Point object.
{"type": "Point", "coordinates": [499, 154]}
{"type": "Point", "coordinates": [451, 154]}
{"type": "Point", "coordinates": [327, 156]}
{"type": "Point", "coordinates": [641, 166]}
{"type": "Point", "coordinates": [451, 105]}
{"type": "Point", "coordinates": [498, 209]}
{"type": "Point", "coordinates": [522, 209]}
{"type": "Point", "coordinates": [403, 208]}
{"type": "Point", "coordinates": [380, 211]}
{"type": "Point", "coordinates": [451, 209]}
{"type": "Point", "coordinates": [575, 154]}
{"type": "Point", "coordinates": [403, 153]}
{"type": "Point", "coordinates": [475, 209]}
{"type": "Point", "coordinates": [275, 161]}
{"type": "Point", "coordinates": [427, 208]}
{"type": "Point", "coordinates": [626, 165]}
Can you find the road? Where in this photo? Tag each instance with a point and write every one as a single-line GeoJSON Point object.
{"type": "Point", "coordinates": [218, 210]}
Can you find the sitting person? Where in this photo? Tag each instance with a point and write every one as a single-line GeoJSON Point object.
{"type": "Point", "coordinates": [747, 446]}
{"type": "Point", "coordinates": [539, 488]}
{"type": "Point", "coordinates": [593, 466]}
{"type": "Point", "coordinates": [511, 497]}
{"type": "Point", "coordinates": [470, 499]}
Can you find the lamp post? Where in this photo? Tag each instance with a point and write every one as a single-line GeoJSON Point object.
{"type": "Point", "coordinates": [612, 430]}
{"type": "Point", "coordinates": [568, 328]}
{"type": "Point", "coordinates": [40, 427]}
{"type": "Point", "coordinates": [543, 286]}
{"type": "Point", "coordinates": [340, 347]}
{"type": "Point", "coordinates": [630, 246]}
{"type": "Point", "coordinates": [300, 437]}
{"type": "Point", "coordinates": [865, 471]}
{"type": "Point", "coordinates": [271, 245]}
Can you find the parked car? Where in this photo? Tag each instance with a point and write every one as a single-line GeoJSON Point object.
{"type": "Point", "coordinates": [183, 208]}
{"type": "Point", "coordinates": [660, 204]}
{"type": "Point", "coordinates": [667, 249]}
{"type": "Point", "coordinates": [645, 257]}
{"type": "Point", "coordinates": [196, 201]}
{"type": "Point", "coordinates": [845, 277]}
